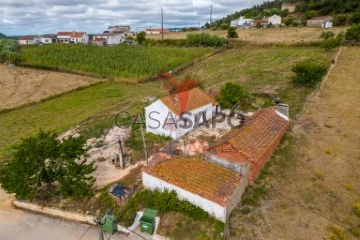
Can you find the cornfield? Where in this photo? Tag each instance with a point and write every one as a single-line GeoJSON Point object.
{"type": "Point", "coordinates": [131, 62]}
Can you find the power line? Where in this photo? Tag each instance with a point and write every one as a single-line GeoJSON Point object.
{"type": "Point", "coordinates": [85, 232]}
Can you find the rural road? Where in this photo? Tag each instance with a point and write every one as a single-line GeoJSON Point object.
{"type": "Point", "coordinates": [18, 225]}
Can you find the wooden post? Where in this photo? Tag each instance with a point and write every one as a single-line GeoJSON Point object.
{"type": "Point", "coordinates": [143, 138]}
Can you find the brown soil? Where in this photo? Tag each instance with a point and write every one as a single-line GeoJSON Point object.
{"type": "Point", "coordinates": [20, 86]}
{"type": "Point", "coordinates": [321, 171]}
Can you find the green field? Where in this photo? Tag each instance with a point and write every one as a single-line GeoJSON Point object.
{"type": "Point", "coordinates": [121, 62]}
{"type": "Point", "coordinates": [259, 69]}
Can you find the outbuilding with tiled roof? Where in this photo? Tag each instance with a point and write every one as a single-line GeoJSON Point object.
{"type": "Point", "coordinates": [209, 186]}
{"type": "Point", "coordinates": [252, 144]}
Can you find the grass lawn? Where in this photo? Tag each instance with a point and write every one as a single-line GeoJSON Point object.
{"type": "Point", "coordinates": [129, 63]}
{"type": "Point", "coordinates": [259, 70]}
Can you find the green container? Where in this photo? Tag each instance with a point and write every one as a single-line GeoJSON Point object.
{"type": "Point", "coordinates": [147, 221]}
{"type": "Point", "coordinates": [109, 224]}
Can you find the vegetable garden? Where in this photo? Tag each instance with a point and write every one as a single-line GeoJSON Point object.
{"type": "Point", "coordinates": [122, 62]}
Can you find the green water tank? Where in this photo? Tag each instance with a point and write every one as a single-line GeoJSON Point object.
{"type": "Point", "coordinates": [109, 224]}
{"type": "Point", "coordinates": [148, 220]}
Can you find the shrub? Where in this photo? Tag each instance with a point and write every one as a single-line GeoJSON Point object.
{"type": "Point", "coordinates": [330, 43]}
{"type": "Point", "coordinates": [308, 73]}
{"type": "Point", "coordinates": [341, 20]}
{"type": "Point", "coordinates": [327, 34]}
{"type": "Point", "coordinates": [205, 39]}
{"type": "Point", "coordinates": [356, 17]}
{"type": "Point", "coordinates": [232, 33]}
{"type": "Point", "coordinates": [353, 33]}
{"type": "Point", "coordinates": [230, 94]}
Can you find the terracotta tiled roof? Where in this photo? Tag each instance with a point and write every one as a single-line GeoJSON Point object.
{"type": "Point", "coordinates": [187, 101]}
{"type": "Point", "coordinates": [71, 34]}
{"type": "Point", "coordinates": [200, 177]}
{"type": "Point", "coordinates": [259, 133]}
{"type": "Point", "coordinates": [107, 34]}
{"type": "Point", "coordinates": [28, 38]}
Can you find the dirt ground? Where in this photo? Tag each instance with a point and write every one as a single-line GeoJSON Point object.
{"type": "Point", "coordinates": [273, 35]}
{"type": "Point", "coordinates": [322, 169]}
{"type": "Point", "coordinates": [19, 86]}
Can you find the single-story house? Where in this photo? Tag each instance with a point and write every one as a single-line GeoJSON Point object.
{"type": "Point", "coordinates": [275, 20]}
{"type": "Point", "coordinates": [179, 113]}
{"type": "Point", "coordinates": [119, 29]}
{"type": "Point", "coordinates": [110, 38]}
{"type": "Point", "coordinates": [156, 30]}
{"type": "Point", "coordinates": [99, 42]}
{"type": "Point", "coordinates": [321, 21]}
{"type": "Point", "coordinates": [72, 37]}
{"type": "Point", "coordinates": [290, 7]}
{"type": "Point", "coordinates": [27, 40]}
{"type": "Point", "coordinates": [215, 189]}
{"type": "Point", "coordinates": [252, 144]}
{"type": "Point", "coordinates": [263, 22]}
{"type": "Point", "coordinates": [46, 39]}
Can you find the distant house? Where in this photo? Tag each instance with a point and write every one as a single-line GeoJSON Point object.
{"type": "Point", "coordinates": [242, 22]}
{"type": "Point", "coordinates": [251, 145]}
{"type": "Point", "coordinates": [178, 114]}
{"type": "Point", "coordinates": [27, 40]}
{"type": "Point", "coordinates": [110, 38]}
{"type": "Point", "coordinates": [119, 29]}
{"type": "Point", "coordinates": [215, 189]}
{"type": "Point", "coordinates": [46, 39]}
{"type": "Point", "coordinates": [150, 31]}
{"type": "Point", "coordinates": [72, 37]}
{"type": "Point", "coordinates": [322, 21]}
{"type": "Point", "coordinates": [290, 7]}
{"type": "Point", "coordinates": [275, 20]}
{"type": "Point", "coordinates": [261, 22]}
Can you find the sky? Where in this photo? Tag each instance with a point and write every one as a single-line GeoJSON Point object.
{"type": "Point", "coordinates": [26, 17]}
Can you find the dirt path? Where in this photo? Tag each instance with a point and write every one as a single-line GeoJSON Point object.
{"type": "Point", "coordinates": [322, 169]}
{"type": "Point", "coordinates": [23, 85]}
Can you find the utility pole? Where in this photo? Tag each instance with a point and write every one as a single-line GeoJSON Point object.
{"type": "Point", "coordinates": [137, 29]}
{"type": "Point", "coordinates": [143, 138]}
{"type": "Point", "coordinates": [210, 15]}
{"type": "Point", "coordinates": [162, 23]}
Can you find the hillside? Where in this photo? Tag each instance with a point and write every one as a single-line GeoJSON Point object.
{"type": "Point", "coordinates": [313, 8]}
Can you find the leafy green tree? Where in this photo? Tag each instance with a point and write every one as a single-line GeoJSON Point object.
{"type": "Point", "coordinates": [41, 160]}
{"type": "Point", "coordinates": [225, 26]}
{"type": "Point", "coordinates": [140, 37]}
{"type": "Point", "coordinates": [231, 93]}
{"type": "Point", "coordinates": [355, 19]}
{"type": "Point", "coordinates": [353, 33]}
{"type": "Point", "coordinates": [231, 33]}
{"type": "Point", "coordinates": [310, 14]}
{"type": "Point", "coordinates": [308, 73]}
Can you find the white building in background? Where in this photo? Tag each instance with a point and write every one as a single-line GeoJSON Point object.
{"type": "Point", "coordinates": [242, 23]}
{"type": "Point", "coordinates": [274, 20]}
{"type": "Point", "coordinates": [27, 40]}
{"type": "Point", "coordinates": [72, 37]}
{"type": "Point", "coordinates": [176, 115]}
{"type": "Point", "coordinates": [111, 38]}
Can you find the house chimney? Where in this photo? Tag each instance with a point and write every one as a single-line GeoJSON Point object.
{"type": "Point", "coordinates": [283, 108]}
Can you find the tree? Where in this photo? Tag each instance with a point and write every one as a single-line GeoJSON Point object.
{"type": "Point", "coordinates": [231, 93]}
{"type": "Point", "coordinates": [224, 26]}
{"type": "Point", "coordinates": [310, 14]}
{"type": "Point", "coordinates": [353, 33]}
{"type": "Point", "coordinates": [355, 19]}
{"type": "Point", "coordinates": [232, 33]}
{"type": "Point", "coordinates": [140, 37]}
{"type": "Point", "coordinates": [40, 160]}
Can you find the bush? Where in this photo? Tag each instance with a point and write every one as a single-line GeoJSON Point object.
{"type": "Point", "coordinates": [330, 43]}
{"type": "Point", "coordinates": [353, 33]}
{"type": "Point", "coordinates": [232, 33]}
{"type": "Point", "coordinates": [341, 20]}
{"type": "Point", "coordinates": [230, 94]}
{"type": "Point", "coordinates": [308, 73]}
{"type": "Point", "coordinates": [355, 19]}
{"type": "Point", "coordinates": [327, 34]}
{"type": "Point", "coordinates": [206, 40]}
{"type": "Point", "coordinates": [140, 37]}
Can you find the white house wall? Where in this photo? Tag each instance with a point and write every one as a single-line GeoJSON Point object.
{"type": "Point", "coordinates": [274, 20]}
{"type": "Point", "coordinates": [214, 209]}
{"type": "Point", "coordinates": [159, 111]}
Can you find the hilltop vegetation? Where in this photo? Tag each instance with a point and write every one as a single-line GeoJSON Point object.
{"type": "Point", "coordinates": [129, 62]}
{"type": "Point", "coordinates": [8, 51]}
{"type": "Point", "coordinates": [311, 8]}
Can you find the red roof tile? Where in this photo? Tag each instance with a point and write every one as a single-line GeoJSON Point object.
{"type": "Point", "coordinates": [27, 38]}
{"type": "Point", "coordinates": [71, 34]}
{"type": "Point", "coordinates": [259, 133]}
{"type": "Point", "coordinates": [187, 101]}
{"type": "Point", "coordinates": [200, 177]}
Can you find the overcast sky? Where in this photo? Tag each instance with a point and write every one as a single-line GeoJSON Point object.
{"type": "Point", "coordinates": [23, 17]}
